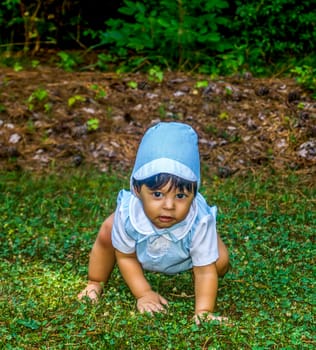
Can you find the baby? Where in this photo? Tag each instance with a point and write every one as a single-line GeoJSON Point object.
{"type": "Point", "coordinates": [162, 224]}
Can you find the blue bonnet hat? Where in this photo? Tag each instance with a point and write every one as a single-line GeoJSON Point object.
{"type": "Point", "coordinates": [168, 147]}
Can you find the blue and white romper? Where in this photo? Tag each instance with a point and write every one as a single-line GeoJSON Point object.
{"type": "Point", "coordinates": [192, 242]}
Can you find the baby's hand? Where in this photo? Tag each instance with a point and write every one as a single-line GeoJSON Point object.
{"type": "Point", "coordinates": [92, 291]}
{"type": "Point", "coordinates": [208, 316]}
{"type": "Point", "coordinates": [151, 302]}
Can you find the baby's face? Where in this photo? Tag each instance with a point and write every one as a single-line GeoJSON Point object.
{"type": "Point", "coordinates": [165, 207]}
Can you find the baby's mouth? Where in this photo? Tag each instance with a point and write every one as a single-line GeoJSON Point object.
{"type": "Point", "coordinates": [165, 219]}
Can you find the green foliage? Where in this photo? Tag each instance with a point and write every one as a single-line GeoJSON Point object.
{"type": "Point", "coordinates": [17, 66]}
{"type": "Point", "coordinates": [39, 98]}
{"type": "Point", "coordinates": [99, 91]}
{"type": "Point", "coordinates": [24, 23]}
{"type": "Point", "coordinates": [9, 10]}
{"type": "Point", "coordinates": [168, 32]}
{"type": "Point", "coordinates": [35, 63]}
{"type": "Point", "coordinates": [155, 74]}
{"type": "Point", "coordinates": [18, 62]}
{"type": "Point", "coordinates": [93, 124]}
{"type": "Point", "coordinates": [32, 24]}
{"type": "Point", "coordinates": [39, 94]}
{"type": "Point", "coordinates": [306, 76]}
{"type": "Point", "coordinates": [132, 84]}
{"type": "Point", "coordinates": [74, 99]}
{"type": "Point", "coordinates": [201, 84]}
{"type": "Point", "coordinates": [216, 37]}
{"type": "Point", "coordinates": [103, 61]}
{"type": "Point", "coordinates": [272, 29]}
{"type": "Point", "coordinates": [48, 225]}
{"type": "Point", "coordinates": [68, 61]}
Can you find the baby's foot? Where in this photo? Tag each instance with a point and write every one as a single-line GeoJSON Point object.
{"type": "Point", "coordinates": [92, 291]}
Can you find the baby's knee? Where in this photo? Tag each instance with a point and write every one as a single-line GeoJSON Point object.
{"type": "Point", "coordinates": [104, 235]}
{"type": "Point", "coordinates": [223, 264]}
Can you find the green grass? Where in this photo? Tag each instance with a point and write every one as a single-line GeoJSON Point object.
{"type": "Point", "coordinates": [48, 226]}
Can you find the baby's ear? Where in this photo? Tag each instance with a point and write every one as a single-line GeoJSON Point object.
{"type": "Point", "coordinates": [136, 190]}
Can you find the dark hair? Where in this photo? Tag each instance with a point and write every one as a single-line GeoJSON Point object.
{"type": "Point", "coordinates": [157, 181]}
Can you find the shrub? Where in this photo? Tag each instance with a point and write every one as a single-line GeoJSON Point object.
{"type": "Point", "coordinates": [167, 32]}
{"type": "Point", "coordinates": [220, 37]}
{"type": "Point", "coordinates": [276, 28]}
{"type": "Point", "coordinates": [212, 36]}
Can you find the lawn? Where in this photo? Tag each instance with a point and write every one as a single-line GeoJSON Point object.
{"type": "Point", "coordinates": [48, 225]}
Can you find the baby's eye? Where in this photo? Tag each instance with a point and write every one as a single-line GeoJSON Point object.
{"type": "Point", "coordinates": [181, 195]}
{"type": "Point", "coordinates": [157, 194]}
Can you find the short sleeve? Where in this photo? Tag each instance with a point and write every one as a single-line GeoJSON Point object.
{"type": "Point", "coordinates": [120, 239]}
{"type": "Point", "coordinates": [204, 249]}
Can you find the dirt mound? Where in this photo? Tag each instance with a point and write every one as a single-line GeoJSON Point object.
{"type": "Point", "coordinates": [53, 120]}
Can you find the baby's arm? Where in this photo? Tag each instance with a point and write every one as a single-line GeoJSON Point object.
{"type": "Point", "coordinates": [132, 272]}
{"type": "Point", "coordinates": [205, 284]}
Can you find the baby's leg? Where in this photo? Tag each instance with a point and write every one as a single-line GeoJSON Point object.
{"type": "Point", "coordinates": [222, 263]}
{"type": "Point", "coordinates": [101, 262]}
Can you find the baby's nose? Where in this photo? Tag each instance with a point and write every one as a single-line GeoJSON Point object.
{"type": "Point", "coordinates": [169, 203]}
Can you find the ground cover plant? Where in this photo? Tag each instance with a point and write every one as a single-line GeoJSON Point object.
{"type": "Point", "coordinates": [48, 224]}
